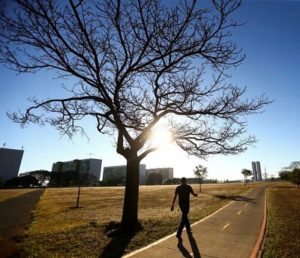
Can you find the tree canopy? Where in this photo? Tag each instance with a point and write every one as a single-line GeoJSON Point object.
{"type": "Point", "coordinates": [246, 173]}
{"type": "Point", "coordinates": [201, 173]}
{"type": "Point", "coordinates": [292, 175]}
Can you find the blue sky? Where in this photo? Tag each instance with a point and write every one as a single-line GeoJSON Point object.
{"type": "Point", "coordinates": [271, 41]}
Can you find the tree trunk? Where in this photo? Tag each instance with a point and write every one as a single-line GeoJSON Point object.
{"type": "Point", "coordinates": [130, 209]}
{"type": "Point", "coordinates": [78, 196]}
{"type": "Point", "coordinates": [76, 163]}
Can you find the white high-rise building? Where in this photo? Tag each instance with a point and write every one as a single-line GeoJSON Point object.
{"type": "Point", "coordinates": [254, 170]}
{"type": "Point", "coordinates": [166, 173]}
{"type": "Point", "coordinates": [258, 169]}
{"type": "Point", "coordinates": [116, 175]}
{"type": "Point", "coordinates": [91, 166]}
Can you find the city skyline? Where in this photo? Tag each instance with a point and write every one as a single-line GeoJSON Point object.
{"type": "Point", "coordinates": [270, 40]}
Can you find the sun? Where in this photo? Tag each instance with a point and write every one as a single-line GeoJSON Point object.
{"type": "Point", "coordinates": [160, 137]}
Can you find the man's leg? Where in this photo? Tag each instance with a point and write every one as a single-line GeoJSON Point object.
{"type": "Point", "coordinates": [180, 227]}
{"type": "Point", "coordinates": [186, 222]}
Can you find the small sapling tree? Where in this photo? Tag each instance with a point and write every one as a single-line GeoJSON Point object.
{"type": "Point", "coordinates": [246, 173]}
{"type": "Point", "coordinates": [201, 173]}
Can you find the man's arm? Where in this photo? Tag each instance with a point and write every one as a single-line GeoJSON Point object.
{"type": "Point", "coordinates": [192, 192]}
{"type": "Point", "coordinates": [173, 202]}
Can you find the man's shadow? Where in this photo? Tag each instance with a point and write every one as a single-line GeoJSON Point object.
{"type": "Point", "coordinates": [194, 246]}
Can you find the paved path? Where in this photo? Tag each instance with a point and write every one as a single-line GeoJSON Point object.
{"type": "Point", "coordinates": [15, 214]}
{"type": "Point", "coordinates": [231, 232]}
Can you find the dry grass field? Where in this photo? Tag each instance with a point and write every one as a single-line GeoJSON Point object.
{"type": "Point", "coordinates": [283, 230]}
{"type": "Point", "coordinates": [60, 230]}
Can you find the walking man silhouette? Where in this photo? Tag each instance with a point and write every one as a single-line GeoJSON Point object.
{"type": "Point", "coordinates": [183, 191]}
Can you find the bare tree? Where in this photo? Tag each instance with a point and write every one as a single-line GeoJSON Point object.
{"type": "Point", "coordinates": [138, 64]}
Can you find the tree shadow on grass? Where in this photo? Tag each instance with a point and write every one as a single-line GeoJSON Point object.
{"type": "Point", "coordinates": [278, 187]}
{"type": "Point", "coordinates": [119, 240]}
{"type": "Point", "coordinates": [234, 197]}
{"type": "Point", "coordinates": [74, 207]}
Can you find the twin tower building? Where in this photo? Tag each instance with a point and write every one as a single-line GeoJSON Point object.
{"type": "Point", "coordinates": [256, 170]}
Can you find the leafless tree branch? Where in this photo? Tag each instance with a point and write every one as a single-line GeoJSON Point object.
{"type": "Point", "coordinates": [138, 63]}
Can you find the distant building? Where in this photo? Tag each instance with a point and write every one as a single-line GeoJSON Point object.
{"type": "Point", "coordinates": [158, 175]}
{"type": "Point", "coordinates": [10, 161]}
{"type": "Point", "coordinates": [256, 170]}
{"type": "Point", "coordinates": [116, 175]}
{"type": "Point", "coordinates": [91, 166]}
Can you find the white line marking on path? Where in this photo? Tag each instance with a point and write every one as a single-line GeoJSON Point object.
{"type": "Point", "coordinates": [226, 226]}
{"type": "Point", "coordinates": [239, 212]}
